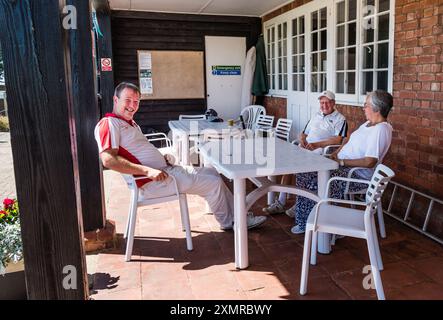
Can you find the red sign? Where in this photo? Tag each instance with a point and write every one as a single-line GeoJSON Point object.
{"type": "Point", "coordinates": [106, 64]}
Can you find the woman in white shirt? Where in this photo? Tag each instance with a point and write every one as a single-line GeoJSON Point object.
{"type": "Point", "coordinates": [366, 147]}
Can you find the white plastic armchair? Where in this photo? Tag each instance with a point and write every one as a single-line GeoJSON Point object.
{"type": "Point", "coordinates": [136, 203]}
{"type": "Point", "coordinates": [283, 128]}
{"type": "Point", "coordinates": [166, 144]}
{"type": "Point", "coordinates": [250, 115]}
{"type": "Point", "coordinates": [328, 150]}
{"type": "Point", "coordinates": [358, 223]}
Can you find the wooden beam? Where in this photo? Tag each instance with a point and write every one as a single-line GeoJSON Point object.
{"type": "Point", "coordinates": [43, 143]}
{"type": "Point", "coordinates": [104, 50]}
{"type": "Point", "coordinates": [87, 115]}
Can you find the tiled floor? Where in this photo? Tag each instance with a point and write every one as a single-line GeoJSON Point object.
{"type": "Point", "coordinates": [162, 268]}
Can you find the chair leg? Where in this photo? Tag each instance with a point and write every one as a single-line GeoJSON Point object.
{"type": "Point", "coordinates": [376, 245]}
{"type": "Point", "coordinates": [314, 248]}
{"type": "Point", "coordinates": [333, 238]}
{"type": "Point", "coordinates": [305, 262]}
{"type": "Point", "coordinates": [131, 231]}
{"type": "Point", "coordinates": [374, 267]}
{"type": "Point", "coordinates": [129, 218]}
{"type": "Point", "coordinates": [381, 221]}
{"type": "Point", "coordinates": [185, 220]}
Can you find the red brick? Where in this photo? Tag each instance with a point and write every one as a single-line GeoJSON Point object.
{"type": "Point", "coordinates": [412, 7]}
{"type": "Point", "coordinates": [428, 22]}
{"type": "Point", "coordinates": [438, 96]}
{"type": "Point", "coordinates": [425, 95]}
{"type": "Point", "coordinates": [435, 86]}
{"type": "Point", "coordinates": [426, 86]}
{"type": "Point", "coordinates": [427, 41]}
{"type": "Point", "coordinates": [409, 60]}
{"type": "Point", "coordinates": [426, 77]}
{"type": "Point", "coordinates": [407, 94]}
{"type": "Point", "coordinates": [427, 59]}
{"type": "Point", "coordinates": [422, 131]}
{"type": "Point", "coordinates": [428, 12]}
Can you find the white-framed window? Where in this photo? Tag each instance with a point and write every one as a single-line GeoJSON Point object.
{"type": "Point", "coordinates": [298, 54]}
{"type": "Point", "coordinates": [270, 56]}
{"type": "Point", "coordinates": [350, 54]}
{"type": "Point", "coordinates": [282, 52]}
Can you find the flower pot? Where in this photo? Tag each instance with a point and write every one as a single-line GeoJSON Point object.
{"type": "Point", "coordinates": [12, 284]}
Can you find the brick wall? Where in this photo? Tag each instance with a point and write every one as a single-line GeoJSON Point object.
{"type": "Point", "coordinates": [416, 153]}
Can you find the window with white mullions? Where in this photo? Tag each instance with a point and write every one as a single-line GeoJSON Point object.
{"type": "Point", "coordinates": [270, 54]}
{"type": "Point", "coordinates": [282, 75]}
{"type": "Point", "coordinates": [298, 54]}
{"type": "Point", "coordinates": [375, 45]}
{"type": "Point", "coordinates": [345, 46]}
{"type": "Point", "coordinates": [318, 50]}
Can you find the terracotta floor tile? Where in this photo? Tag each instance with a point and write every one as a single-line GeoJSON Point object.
{"type": "Point", "coordinates": [158, 273]}
{"type": "Point", "coordinates": [431, 267]}
{"type": "Point", "coordinates": [226, 286]}
{"type": "Point", "coordinates": [282, 250]}
{"type": "Point", "coordinates": [179, 289]}
{"type": "Point", "coordinates": [406, 249]}
{"type": "Point", "coordinates": [397, 275]}
{"type": "Point", "coordinates": [117, 280]}
{"type": "Point", "coordinates": [290, 271]}
{"type": "Point", "coordinates": [323, 289]}
{"type": "Point", "coordinates": [420, 291]}
{"type": "Point", "coordinates": [277, 292]}
{"type": "Point", "coordinates": [129, 294]}
{"type": "Point", "coordinates": [257, 277]}
{"type": "Point", "coordinates": [339, 261]}
{"type": "Point", "coordinates": [352, 283]}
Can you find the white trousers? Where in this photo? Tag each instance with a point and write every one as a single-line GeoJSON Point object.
{"type": "Point", "coordinates": [204, 182]}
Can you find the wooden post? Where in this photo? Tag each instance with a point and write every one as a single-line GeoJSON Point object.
{"type": "Point", "coordinates": [40, 89]}
{"type": "Point", "coordinates": [104, 49]}
{"type": "Point", "coordinates": [87, 115]}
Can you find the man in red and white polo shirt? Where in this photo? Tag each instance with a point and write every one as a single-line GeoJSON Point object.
{"type": "Point", "coordinates": [125, 149]}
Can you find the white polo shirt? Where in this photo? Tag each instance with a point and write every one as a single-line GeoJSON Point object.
{"type": "Point", "coordinates": [322, 127]}
{"type": "Point", "coordinates": [113, 132]}
{"type": "Point", "coordinates": [373, 142]}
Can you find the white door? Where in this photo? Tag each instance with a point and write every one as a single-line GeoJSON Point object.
{"type": "Point", "coordinates": [307, 65]}
{"type": "Point", "coordinates": [225, 57]}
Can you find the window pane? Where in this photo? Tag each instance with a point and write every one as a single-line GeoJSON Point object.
{"type": "Point", "coordinates": [341, 59]}
{"type": "Point", "coordinates": [301, 82]}
{"type": "Point", "coordinates": [323, 18]}
{"type": "Point", "coordinates": [314, 45]}
{"type": "Point", "coordinates": [301, 44]}
{"type": "Point", "coordinates": [368, 3]}
{"type": "Point", "coordinates": [351, 33]}
{"type": "Point", "coordinates": [301, 63]}
{"type": "Point", "coordinates": [382, 80]}
{"type": "Point", "coordinates": [279, 65]}
{"type": "Point", "coordinates": [323, 38]}
{"type": "Point", "coordinates": [301, 26]}
{"type": "Point", "coordinates": [314, 20]}
{"type": "Point", "coordinates": [294, 27]}
{"type": "Point", "coordinates": [367, 82]}
{"type": "Point", "coordinates": [351, 82]}
{"type": "Point", "coordinates": [285, 82]}
{"type": "Point", "coordinates": [272, 34]}
{"type": "Point", "coordinates": [279, 32]}
{"type": "Point", "coordinates": [272, 50]}
{"type": "Point", "coordinates": [294, 82]}
{"type": "Point", "coordinates": [279, 49]}
{"type": "Point", "coordinates": [285, 65]}
{"type": "Point", "coordinates": [323, 82]}
{"type": "Point", "coordinates": [341, 12]}
{"type": "Point", "coordinates": [285, 30]}
{"type": "Point", "coordinates": [314, 83]}
{"type": "Point", "coordinates": [294, 45]}
{"type": "Point", "coordinates": [285, 49]}
{"type": "Point", "coordinates": [340, 83]}
{"type": "Point", "coordinates": [294, 64]}
{"type": "Point", "coordinates": [352, 13]}
{"type": "Point", "coordinates": [382, 55]}
{"type": "Point", "coordinates": [368, 30]}
{"type": "Point", "coordinates": [341, 36]}
{"type": "Point", "coordinates": [323, 61]}
{"type": "Point", "coordinates": [383, 5]}
{"type": "Point", "coordinates": [351, 59]}
{"type": "Point", "coordinates": [368, 57]}
{"type": "Point", "coordinates": [383, 27]}
{"type": "Point", "coordinates": [314, 62]}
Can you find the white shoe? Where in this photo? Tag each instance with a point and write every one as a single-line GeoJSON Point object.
{"type": "Point", "coordinates": [297, 230]}
{"type": "Point", "coordinates": [274, 208]}
{"type": "Point", "coordinates": [254, 221]}
{"type": "Point", "coordinates": [251, 221]}
{"type": "Point", "coordinates": [291, 212]}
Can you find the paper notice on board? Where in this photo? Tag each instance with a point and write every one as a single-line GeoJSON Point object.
{"type": "Point", "coordinates": [145, 73]}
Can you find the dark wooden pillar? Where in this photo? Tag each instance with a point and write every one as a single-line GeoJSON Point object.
{"type": "Point", "coordinates": [104, 50]}
{"type": "Point", "coordinates": [37, 66]}
{"type": "Point", "coordinates": [87, 115]}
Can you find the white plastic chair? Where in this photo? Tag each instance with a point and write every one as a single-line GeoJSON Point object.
{"type": "Point", "coordinates": [264, 124]}
{"type": "Point", "coordinates": [137, 203]}
{"type": "Point", "coordinates": [192, 117]}
{"type": "Point", "coordinates": [193, 137]}
{"type": "Point", "coordinates": [283, 128]}
{"type": "Point", "coordinates": [329, 218]}
{"type": "Point", "coordinates": [250, 115]}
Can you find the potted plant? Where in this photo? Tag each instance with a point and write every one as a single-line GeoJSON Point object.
{"type": "Point", "coordinates": [12, 277]}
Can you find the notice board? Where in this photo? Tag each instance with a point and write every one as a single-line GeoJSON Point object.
{"type": "Point", "coordinates": [171, 74]}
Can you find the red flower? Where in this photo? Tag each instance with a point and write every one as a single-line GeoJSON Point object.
{"type": "Point", "coordinates": [3, 213]}
{"type": "Point", "coordinates": [8, 203]}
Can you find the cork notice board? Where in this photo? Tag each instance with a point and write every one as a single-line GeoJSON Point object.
{"type": "Point", "coordinates": [171, 74]}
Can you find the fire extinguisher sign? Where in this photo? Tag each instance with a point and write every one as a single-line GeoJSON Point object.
{"type": "Point", "coordinates": [106, 64]}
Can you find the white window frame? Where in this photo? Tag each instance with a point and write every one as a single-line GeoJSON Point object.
{"type": "Point", "coordinates": [349, 99]}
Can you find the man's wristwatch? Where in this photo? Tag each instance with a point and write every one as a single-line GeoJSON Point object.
{"type": "Point", "coordinates": [341, 162]}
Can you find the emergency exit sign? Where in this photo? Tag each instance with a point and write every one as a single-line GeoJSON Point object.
{"type": "Point", "coordinates": [226, 70]}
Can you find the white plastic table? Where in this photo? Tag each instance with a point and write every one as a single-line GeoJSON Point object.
{"type": "Point", "coordinates": [183, 129]}
{"type": "Point", "coordinates": [240, 159]}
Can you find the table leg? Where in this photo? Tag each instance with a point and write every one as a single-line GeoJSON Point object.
{"type": "Point", "coordinates": [271, 195]}
{"type": "Point", "coordinates": [240, 225]}
{"type": "Point", "coordinates": [324, 239]}
{"type": "Point", "coordinates": [185, 150]}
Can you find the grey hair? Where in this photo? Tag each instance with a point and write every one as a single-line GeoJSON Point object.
{"type": "Point", "coordinates": [126, 85]}
{"type": "Point", "coordinates": [381, 101]}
